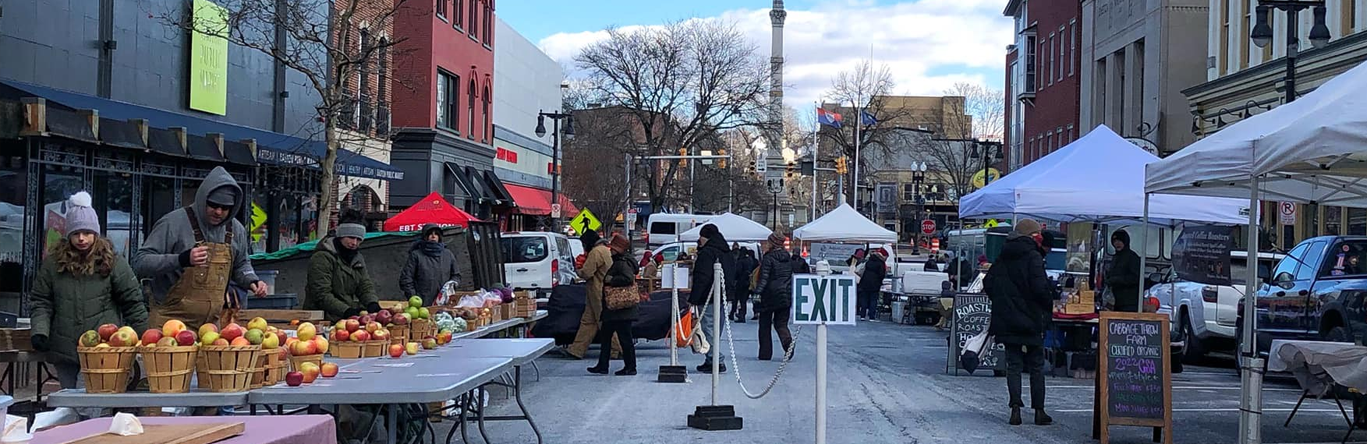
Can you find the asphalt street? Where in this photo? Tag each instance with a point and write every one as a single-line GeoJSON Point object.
{"type": "Point", "coordinates": [888, 384]}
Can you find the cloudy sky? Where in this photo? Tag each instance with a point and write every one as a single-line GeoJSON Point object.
{"type": "Point", "coordinates": [928, 44]}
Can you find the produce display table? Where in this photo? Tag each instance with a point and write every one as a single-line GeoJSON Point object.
{"type": "Point", "coordinates": [303, 429]}
{"type": "Point", "coordinates": [521, 352]}
{"type": "Point", "coordinates": [78, 398]}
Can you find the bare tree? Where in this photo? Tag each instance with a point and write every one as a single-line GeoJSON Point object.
{"type": "Point", "coordinates": [319, 39]}
{"type": "Point", "coordinates": [956, 151]}
{"type": "Point", "coordinates": [868, 89]}
{"type": "Point", "coordinates": [595, 160]}
{"type": "Point", "coordinates": [680, 83]}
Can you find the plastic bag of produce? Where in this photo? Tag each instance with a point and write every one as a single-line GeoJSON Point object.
{"type": "Point", "coordinates": [448, 291]}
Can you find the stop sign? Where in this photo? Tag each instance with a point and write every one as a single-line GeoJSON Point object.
{"type": "Point", "coordinates": [927, 226]}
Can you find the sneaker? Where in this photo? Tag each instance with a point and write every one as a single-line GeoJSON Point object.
{"type": "Point", "coordinates": [706, 367]}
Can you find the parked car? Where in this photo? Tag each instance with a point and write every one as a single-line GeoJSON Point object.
{"type": "Point", "coordinates": [537, 260]}
{"type": "Point", "coordinates": [665, 228]}
{"type": "Point", "coordinates": [1316, 292]}
{"type": "Point", "coordinates": [1205, 316]}
{"type": "Point", "coordinates": [670, 252]}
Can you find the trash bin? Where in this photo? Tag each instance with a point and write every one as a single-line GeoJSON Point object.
{"type": "Point", "coordinates": [268, 276]}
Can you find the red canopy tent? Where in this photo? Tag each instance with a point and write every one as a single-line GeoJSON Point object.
{"type": "Point", "coordinates": [432, 209]}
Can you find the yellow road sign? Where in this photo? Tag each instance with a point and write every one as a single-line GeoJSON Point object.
{"type": "Point", "coordinates": [991, 223]}
{"type": "Point", "coordinates": [585, 221]}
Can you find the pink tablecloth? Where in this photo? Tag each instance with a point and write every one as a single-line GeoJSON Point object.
{"type": "Point", "coordinates": [302, 429]}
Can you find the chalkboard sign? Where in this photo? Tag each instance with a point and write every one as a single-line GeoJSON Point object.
{"type": "Point", "coordinates": [972, 314]}
{"type": "Point", "coordinates": [1136, 382]}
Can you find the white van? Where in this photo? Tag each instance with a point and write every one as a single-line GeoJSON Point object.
{"type": "Point", "coordinates": [664, 228]}
{"type": "Point", "coordinates": [537, 260]}
{"type": "Point", "coordinates": [670, 252]}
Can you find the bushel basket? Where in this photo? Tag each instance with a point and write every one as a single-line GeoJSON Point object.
{"type": "Point", "coordinates": [347, 349]}
{"type": "Point", "coordinates": [270, 368]}
{"type": "Point", "coordinates": [106, 369]}
{"type": "Point", "coordinates": [169, 369]}
{"type": "Point", "coordinates": [228, 368]}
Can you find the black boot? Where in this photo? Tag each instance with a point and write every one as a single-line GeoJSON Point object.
{"type": "Point", "coordinates": [598, 370]}
{"type": "Point", "coordinates": [1041, 418]}
{"type": "Point", "coordinates": [706, 367]}
{"type": "Point", "coordinates": [1015, 416]}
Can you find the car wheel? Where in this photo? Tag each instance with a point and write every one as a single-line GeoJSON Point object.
{"type": "Point", "coordinates": [1338, 334]}
{"type": "Point", "coordinates": [1194, 350]}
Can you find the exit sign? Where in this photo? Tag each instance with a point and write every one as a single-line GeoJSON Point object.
{"type": "Point", "coordinates": [826, 300]}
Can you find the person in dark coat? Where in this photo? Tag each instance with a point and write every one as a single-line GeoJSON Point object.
{"type": "Point", "coordinates": [620, 273]}
{"type": "Point", "coordinates": [871, 284]}
{"type": "Point", "coordinates": [745, 267]}
{"type": "Point", "coordinates": [1022, 300]}
{"type": "Point", "coordinates": [339, 283]}
{"type": "Point", "coordinates": [775, 287]}
{"type": "Point", "coordinates": [712, 250]}
{"type": "Point", "coordinates": [1123, 276]}
{"type": "Point", "coordinates": [932, 265]}
{"type": "Point", "coordinates": [429, 266]}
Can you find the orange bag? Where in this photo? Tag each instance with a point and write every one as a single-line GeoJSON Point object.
{"type": "Point", "coordinates": [683, 333]}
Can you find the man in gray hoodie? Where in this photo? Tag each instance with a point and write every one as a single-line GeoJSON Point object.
{"type": "Point", "coordinates": [193, 253]}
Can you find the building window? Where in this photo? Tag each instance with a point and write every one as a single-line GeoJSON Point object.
{"type": "Point", "coordinates": [1071, 138]}
{"type": "Point", "coordinates": [1333, 221]}
{"type": "Point", "coordinates": [474, 19]}
{"type": "Point", "coordinates": [1222, 60]}
{"type": "Point", "coordinates": [1245, 43]}
{"type": "Point", "coordinates": [363, 83]}
{"type": "Point", "coordinates": [471, 126]}
{"type": "Point", "coordinates": [460, 18]}
{"type": "Point", "coordinates": [441, 9]}
{"type": "Point", "coordinates": [1049, 73]}
{"type": "Point", "coordinates": [1271, 15]}
{"type": "Point", "coordinates": [488, 23]}
{"type": "Point", "coordinates": [487, 129]}
{"type": "Point", "coordinates": [1072, 40]}
{"type": "Point", "coordinates": [1349, 17]}
{"type": "Point", "coordinates": [447, 101]}
{"type": "Point", "coordinates": [1062, 52]}
{"type": "Point", "coordinates": [1357, 222]}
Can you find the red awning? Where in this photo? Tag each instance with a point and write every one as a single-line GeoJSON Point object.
{"type": "Point", "coordinates": [536, 201]}
{"type": "Point", "coordinates": [432, 209]}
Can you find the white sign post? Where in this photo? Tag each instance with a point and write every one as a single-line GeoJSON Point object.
{"type": "Point", "coordinates": [823, 300]}
{"type": "Point", "coordinates": [673, 277]}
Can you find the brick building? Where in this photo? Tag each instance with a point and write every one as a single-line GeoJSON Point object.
{"type": "Point", "coordinates": [1042, 79]}
{"type": "Point", "coordinates": [443, 105]}
{"type": "Point", "coordinates": [364, 125]}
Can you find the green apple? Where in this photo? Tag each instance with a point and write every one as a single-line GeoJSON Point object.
{"type": "Point", "coordinates": [415, 301]}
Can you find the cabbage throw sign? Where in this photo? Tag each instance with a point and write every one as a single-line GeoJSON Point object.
{"type": "Point", "coordinates": [826, 300]}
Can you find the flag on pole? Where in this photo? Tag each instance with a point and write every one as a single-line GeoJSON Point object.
{"type": "Point", "coordinates": [866, 118]}
{"type": "Point", "coordinates": [828, 118]}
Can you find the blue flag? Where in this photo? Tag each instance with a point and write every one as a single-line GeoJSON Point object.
{"type": "Point", "coordinates": [866, 118]}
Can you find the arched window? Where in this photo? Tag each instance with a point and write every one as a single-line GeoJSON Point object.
{"type": "Point", "coordinates": [364, 199]}
{"type": "Point", "coordinates": [488, 127]}
{"type": "Point", "coordinates": [471, 127]}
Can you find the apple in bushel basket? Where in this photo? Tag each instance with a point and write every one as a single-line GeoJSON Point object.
{"type": "Point", "coordinates": [106, 331]}
{"type": "Point", "coordinates": [123, 338]}
{"type": "Point", "coordinates": [395, 351]}
{"type": "Point", "coordinates": [294, 379]}
{"type": "Point", "coordinates": [360, 336]}
{"type": "Point", "coordinates": [206, 328]}
{"type": "Point", "coordinates": [186, 337]}
{"type": "Point", "coordinates": [384, 317]}
{"type": "Point", "coordinates": [380, 335]}
{"type": "Point", "coordinates": [372, 326]}
{"type": "Point", "coordinates": [232, 331]}
{"type": "Point", "coordinates": [352, 325]}
{"type": "Point", "coordinates": [341, 335]}
{"type": "Point", "coordinates": [366, 319]}
{"type": "Point", "coordinates": [151, 337]}
{"type": "Point", "coordinates": [167, 342]}
{"type": "Point", "coordinates": [90, 338]}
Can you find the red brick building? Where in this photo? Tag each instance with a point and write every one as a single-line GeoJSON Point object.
{"type": "Point", "coordinates": [443, 104]}
{"type": "Point", "coordinates": [365, 123]}
{"type": "Point", "coordinates": [1042, 78]}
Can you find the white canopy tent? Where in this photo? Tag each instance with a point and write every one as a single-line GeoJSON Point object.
{"type": "Point", "coordinates": [1311, 150]}
{"type": "Point", "coordinates": [733, 227]}
{"type": "Point", "coordinates": [844, 224]}
{"type": "Point", "coordinates": [1099, 177]}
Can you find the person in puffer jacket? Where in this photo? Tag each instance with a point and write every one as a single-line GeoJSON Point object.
{"type": "Point", "coordinates": [776, 296]}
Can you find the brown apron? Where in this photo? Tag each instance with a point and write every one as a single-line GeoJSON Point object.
{"type": "Point", "coordinates": [201, 295]}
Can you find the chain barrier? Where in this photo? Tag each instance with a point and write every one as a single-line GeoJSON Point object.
{"type": "Point", "coordinates": [787, 357]}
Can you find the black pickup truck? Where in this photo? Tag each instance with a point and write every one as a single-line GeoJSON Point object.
{"type": "Point", "coordinates": [1316, 292]}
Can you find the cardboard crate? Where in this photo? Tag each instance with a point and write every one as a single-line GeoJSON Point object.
{"type": "Point", "coordinates": [16, 339]}
{"type": "Point", "coordinates": [1083, 303]}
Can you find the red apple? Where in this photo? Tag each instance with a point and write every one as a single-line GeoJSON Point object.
{"type": "Point", "coordinates": [329, 370]}
{"type": "Point", "coordinates": [380, 335]}
{"type": "Point", "coordinates": [384, 317]}
{"type": "Point", "coordinates": [186, 337]}
{"type": "Point", "coordinates": [282, 336]}
{"type": "Point", "coordinates": [366, 319]}
{"type": "Point", "coordinates": [395, 350]}
{"type": "Point", "coordinates": [221, 342]}
{"type": "Point", "coordinates": [166, 342]}
{"type": "Point", "coordinates": [340, 335]}
{"type": "Point", "coordinates": [151, 336]}
{"type": "Point", "coordinates": [232, 331]}
{"type": "Point", "coordinates": [352, 325]}
{"type": "Point", "coordinates": [361, 336]}
{"type": "Point", "coordinates": [294, 379]}
{"type": "Point", "coordinates": [106, 331]}
{"type": "Point", "coordinates": [123, 339]}
{"type": "Point", "coordinates": [372, 326]}
{"type": "Point", "coordinates": [401, 319]}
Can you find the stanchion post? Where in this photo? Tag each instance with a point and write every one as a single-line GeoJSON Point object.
{"type": "Point", "coordinates": [821, 383]}
{"type": "Point", "coordinates": [714, 416]}
{"type": "Point", "coordinates": [673, 372]}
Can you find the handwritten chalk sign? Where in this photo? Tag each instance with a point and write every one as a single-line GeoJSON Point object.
{"type": "Point", "coordinates": [1136, 382]}
{"type": "Point", "coordinates": [972, 315]}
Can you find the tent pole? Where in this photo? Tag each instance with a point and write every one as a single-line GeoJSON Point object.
{"type": "Point", "coordinates": [1143, 251]}
{"type": "Point", "coordinates": [1250, 404]}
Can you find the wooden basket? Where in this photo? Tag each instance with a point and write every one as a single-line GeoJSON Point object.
{"type": "Point", "coordinates": [347, 349]}
{"type": "Point", "coordinates": [295, 361]}
{"type": "Point", "coordinates": [228, 368]}
{"type": "Point", "coordinates": [422, 328]}
{"type": "Point", "coordinates": [169, 369]}
{"type": "Point", "coordinates": [375, 349]}
{"type": "Point", "coordinates": [524, 307]}
{"type": "Point", "coordinates": [399, 334]}
{"type": "Point", "coordinates": [106, 369]}
{"type": "Point", "coordinates": [506, 311]}
{"type": "Point", "coordinates": [270, 368]}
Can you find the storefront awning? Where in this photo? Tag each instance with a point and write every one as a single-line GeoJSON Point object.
{"type": "Point", "coordinates": [536, 201]}
{"type": "Point", "coordinates": [272, 148]}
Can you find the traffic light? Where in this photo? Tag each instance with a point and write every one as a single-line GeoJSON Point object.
{"type": "Point", "coordinates": [722, 163]}
{"type": "Point", "coordinates": [840, 165]}
{"type": "Point", "coordinates": [683, 163]}
{"type": "Point", "coordinates": [791, 170]}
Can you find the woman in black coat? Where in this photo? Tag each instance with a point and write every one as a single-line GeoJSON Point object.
{"type": "Point", "coordinates": [1022, 302]}
{"type": "Point", "coordinates": [745, 267]}
{"type": "Point", "coordinates": [622, 273]}
{"type": "Point", "coordinates": [775, 287]}
{"type": "Point", "coordinates": [429, 266]}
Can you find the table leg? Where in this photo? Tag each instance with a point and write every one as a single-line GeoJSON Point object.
{"type": "Point", "coordinates": [392, 424]}
{"type": "Point", "coordinates": [479, 399]}
{"type": "Point", "coordinates": [538, 371]}
{"type": "Point", "coordinates": [517, 394]}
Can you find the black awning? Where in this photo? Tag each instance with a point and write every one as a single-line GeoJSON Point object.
{"type": "Point", "coordinates": [203, 148]}
{"type": "Point", "coordinates": [500, 192]}
{"type": "Point", "coordinates": [464, 181]}
{"type": "Point", "coordinates": [477, 179]}
{"type": "Point", "coordinates": [120, 133]}
{"type": "Point", "coordinates": [69, 124]}
{"type": "Point", "coordinates": [164, 141]}
{"type": "Point", "coordinates": [238, 153]}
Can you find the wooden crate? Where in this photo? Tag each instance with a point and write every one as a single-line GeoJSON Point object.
{"type": "Point", "coordinates": [1083, 303]}
{"type": "Point", "coordinates": [347, 349]}
{"type": "Point", "coordinates": [15, 339]}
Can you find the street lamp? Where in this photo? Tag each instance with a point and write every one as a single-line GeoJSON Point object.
{"type": "Point", "coordinates": [918, 176]}
{"type": "Point", "coordinates": [1261, 34]}
{"type": "Point", "coordinates": [775, 187]}
{"type": "Point", "coordinates": [568, 131]}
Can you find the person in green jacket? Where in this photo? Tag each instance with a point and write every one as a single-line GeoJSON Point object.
{"type": "Point", "coordinates": [81, 285]}
{"type": "Point", "coordinates": [338, 283]}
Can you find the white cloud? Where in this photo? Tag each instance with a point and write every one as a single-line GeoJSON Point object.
{"type": "Point", "coordinates": [928, 45]}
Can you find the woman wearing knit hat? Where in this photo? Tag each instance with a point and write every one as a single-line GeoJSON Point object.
{"type": "Point", "coordinates": [81, 285]}
{"type": "Point", "coordinates": [619, 273]}
{"type": "Point", "coordinates": [1022, 300]}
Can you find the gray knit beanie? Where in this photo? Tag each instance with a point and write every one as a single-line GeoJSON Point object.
{"type": "Point", "coordinates": [80, 216]}
{"type": "Point", "coordinates": [351, 230]}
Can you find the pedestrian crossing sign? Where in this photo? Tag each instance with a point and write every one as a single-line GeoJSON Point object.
{"type": "Point", "coordinates": [826, 299]}
{"type": "Point", "coordinates": [585, 221]}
